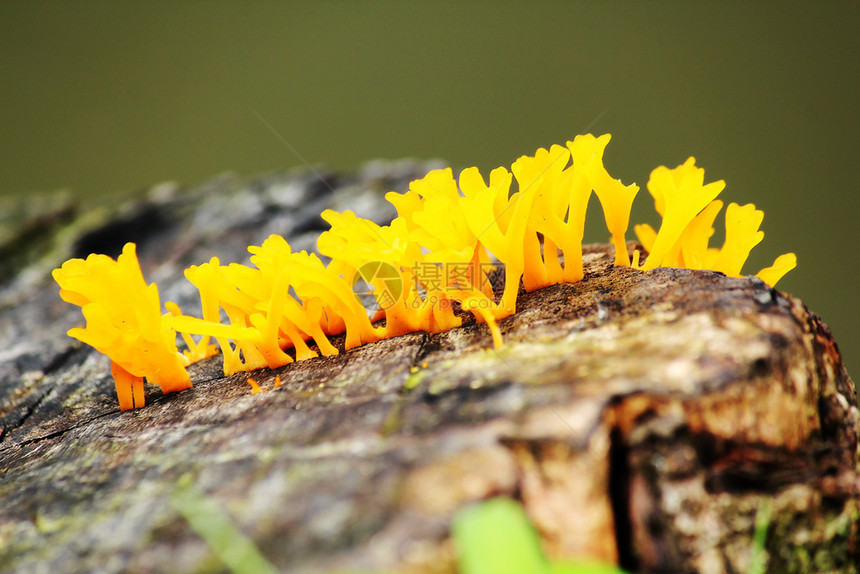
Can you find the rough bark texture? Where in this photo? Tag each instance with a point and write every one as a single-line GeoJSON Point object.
{"type": "Point", "coordinates": [641, 418]}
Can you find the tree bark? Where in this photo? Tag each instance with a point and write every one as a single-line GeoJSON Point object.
{"type": "Point", "coordinates": [640, 418]}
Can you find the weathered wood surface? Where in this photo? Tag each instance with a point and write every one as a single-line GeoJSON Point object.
{"type": "Point", "coordinates": [640, 418]}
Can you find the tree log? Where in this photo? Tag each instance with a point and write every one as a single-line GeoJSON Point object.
{"type": "Point", "coordinates": [644, 419]}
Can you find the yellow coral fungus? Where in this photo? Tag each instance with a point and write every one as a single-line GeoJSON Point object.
{"type": "Point", "coordinates": [448, 236]}
{"type": "Point", "coordinates": [689, 208]}
{"type": "Point", "coordinates": [255, 386]}
{"type": "Point", "coordinates": [617, 201]}
{"type": "Point", "coordinates": [782, 265]}
{"type": "Point", "coordinates": [124, 322]}
{"type": "Point", "coordinates": [353, 241]}
{"type": "Point", "coordinates": [218, 292]}
{"type": "Point", "coordinates": [679, 195]}
{"type": "Point", "coordinates": [500, 222]}
{"type": "Point", "coordinates": [265, 318]}
{"type": "Point", "coordinates": [742, 235]}
{"type": "Point", "coordinates": [455, 263]}
{"type": "Point", "coordinates": [541, 179]}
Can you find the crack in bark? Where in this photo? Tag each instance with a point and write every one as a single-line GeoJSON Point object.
{"type": "Point", "coordinates": [56, 433]}
{"type": "Point", "coordinates": [618, 488]}
{"type": "Point", "coordinates": [28, 412]}
{"type": "Point", "coordinates": [56, 364]}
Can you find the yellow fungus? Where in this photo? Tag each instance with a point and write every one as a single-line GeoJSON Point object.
{"type": "Point", "coordinates": [782, 265]}
{"type": "Point", "coordinates": [646, 235]}
{"type": "Point", "coordinates": [615, 197]}
{"type": "Point", "coordinates": [436, 254]}
{"type": "Point", "coordinates": [742, 235]}
{"type": "Point", "coordinates": [124, 322]}
{"type": "Point", "coordinates": [499, 222]}
{"type": "Point", "coordinates": [694, 252]}
{"type": "Point", "coordinates": [543, 184]}
{"type": "Point", "coordinates": [679, 195]}
{"type": "Point", "coordinates": [690, 248]}
{"type": "Point", "coordinates": [197, 350]}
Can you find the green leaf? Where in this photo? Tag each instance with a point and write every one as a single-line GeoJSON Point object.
{"type": "Point", "coordinates": [496, 537]}
{"type": "Point", "coordinates": [758, 555]}
{"type": "Point", "coordinates": [584, 567]}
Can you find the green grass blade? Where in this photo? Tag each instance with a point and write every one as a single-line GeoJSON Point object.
{"type": "Point", "coordinates": [213, 525]}
{"type": "Point", "coordinates": [758, 556]}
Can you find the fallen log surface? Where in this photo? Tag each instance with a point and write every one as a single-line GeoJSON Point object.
{"type": "Point", "coordinates": [640, 418]}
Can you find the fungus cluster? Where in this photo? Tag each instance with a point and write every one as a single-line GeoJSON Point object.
{"type": "Point", "coordinates": [448, 235]}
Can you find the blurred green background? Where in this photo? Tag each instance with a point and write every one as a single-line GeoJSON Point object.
{"type": "Point", "coordinates": [109, 97]}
